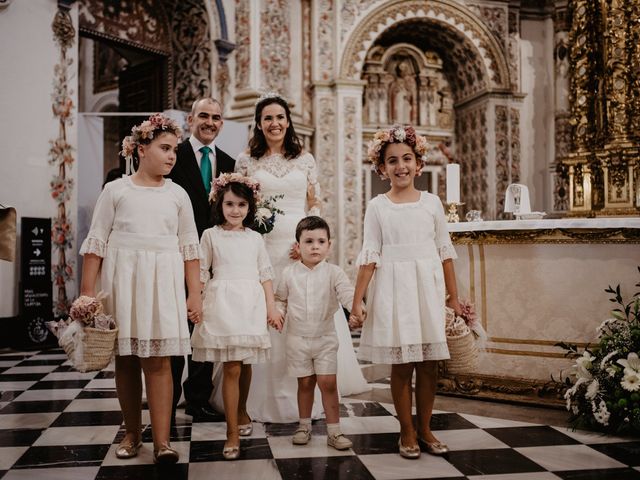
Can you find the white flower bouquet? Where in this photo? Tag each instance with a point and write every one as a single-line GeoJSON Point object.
{"type": "Point", "coordinates": [603, 389]}
{"type": "Point", "coordinates": [266, 212]}
{"type": "Point", "coordinates": [88, 337]}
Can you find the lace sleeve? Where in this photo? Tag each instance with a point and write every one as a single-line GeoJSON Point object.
{"type": "Point", "coordinates": [265, 270]}
{"type": "Point", "coordinates": [95, 246]}
{"type": "Point", "coordinates": [443, 240]}
{"type": "Point", "coordinates": [372, 242]}
{"type": "Point", "coordinates": [242, 164]}
{"type": "Point", "coordinates": [190, 252]}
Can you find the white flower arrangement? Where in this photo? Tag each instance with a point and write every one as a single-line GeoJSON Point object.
{"type": "Point", "coordinates": [603, 389]}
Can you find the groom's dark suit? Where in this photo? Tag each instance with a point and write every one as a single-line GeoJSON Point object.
{"type": "Point", "coordinates": [186, 173]}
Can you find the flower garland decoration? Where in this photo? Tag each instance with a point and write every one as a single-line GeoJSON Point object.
{"type": "Point", "coordinates": [603, 388]}
{"type": "Point", "coordinates": [397, 134]}
{"type": "Point", "coordinates": [61, 157]}
{"type": "Point", "coordinates": [226, 178]}
{"type": "Point", "coordinates": [143, 134]}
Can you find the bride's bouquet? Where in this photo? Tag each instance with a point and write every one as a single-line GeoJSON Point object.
{"type": "Point", "coordinates": [266, 212]}
{"type": "Point", "coordinates": [88, 336]}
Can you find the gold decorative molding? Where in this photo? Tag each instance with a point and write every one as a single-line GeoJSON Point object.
{"type": "Point", "coordinates": [548, 235]}
{"type": "Point", "coordinates": [501, 388]}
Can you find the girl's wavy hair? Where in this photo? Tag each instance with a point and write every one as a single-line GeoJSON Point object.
{"type": "Point", "coordinates": [258, 143]}
{"type": "Point", "coordinates": [241, 190]}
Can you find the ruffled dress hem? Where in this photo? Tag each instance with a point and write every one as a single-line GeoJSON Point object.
{"type": "Point", "coordinates": [246, 355]}
{"type": "Point", "coordinates": [404, 354]}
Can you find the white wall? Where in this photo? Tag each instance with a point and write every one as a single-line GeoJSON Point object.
{"type": "Point", "coordinates": [537, 117]}
{"type": "Point", "coordinates": [28, 56]}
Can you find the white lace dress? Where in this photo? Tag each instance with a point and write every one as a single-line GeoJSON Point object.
{"type": "Point", "coordinates": [145, 234]}
{"type": "Point", "coordinates": [273, 393]}
{"type": "Point", "coordinates": [408, 243]}
{"type": "Point", "coordinates": [234, 312]}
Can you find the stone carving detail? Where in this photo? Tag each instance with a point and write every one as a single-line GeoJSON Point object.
{"type": "Point", "coordinates": [325, 141]}
{"type": "Point", "coordinates": [243, 42]}
{"type": "Point", "coordinates": [471, 153]}
{"type": "Point", "coordinates": [513, 49]}
{"type": "Point", "coordinates": [477, 49]}
{"type": "Point", "coordinates": [349, 13]}
{"type": "Point", "coordinates": [275, 46]}
{"type": "Point", "coordinates": [307, 84]}
{"type": "Point", "coordinates": [405, 85]}
{"type": "Point", "coordinates": [514, 124]}
{"type": "Point", "coordinates": [502, 158]}
{"type": "Point", "coordinates": [141, 23]}
{"type": "Point", "coordinates": [324, 37]}
{"type": "Point", "coordinates": [191, 43]}
{"type": "Point", "coordinates": [352, 173]}
{"type": "Point", "coordinates": [495, 18]}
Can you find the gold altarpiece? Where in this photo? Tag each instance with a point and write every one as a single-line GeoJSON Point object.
{"type": "Point", "coordinates": [602, 168]}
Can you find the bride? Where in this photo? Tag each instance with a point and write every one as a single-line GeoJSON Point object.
{"type": "Point", "coordinates": [276, 160]}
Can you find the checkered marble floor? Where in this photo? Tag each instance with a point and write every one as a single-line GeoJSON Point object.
{"type": "Point", "coordinates": [56, 423]}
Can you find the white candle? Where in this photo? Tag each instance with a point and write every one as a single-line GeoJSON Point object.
{"type": "Point", "coordinates": [453, 183]}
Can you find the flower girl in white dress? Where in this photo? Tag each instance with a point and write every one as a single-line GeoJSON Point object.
{"type": "Point", "coordinates": [143, 240]}
{"type": "Point", "coordinates": [407, 245]}
{"type": "Point", "coordinates": [238, 300]}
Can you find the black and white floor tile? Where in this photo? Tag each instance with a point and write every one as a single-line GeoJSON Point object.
{"type": "Point", "coordinates": [56, 423]}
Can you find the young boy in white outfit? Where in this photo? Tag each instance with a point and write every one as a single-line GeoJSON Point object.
{"type": "Point", "coordinates": [310, 291]}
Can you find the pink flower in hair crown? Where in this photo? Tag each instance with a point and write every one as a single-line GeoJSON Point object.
{"type": "Point", "coordinates": [226, 178]}
{"type": "Point", "coordinates": [397, 134]}
{"type": "Point", "coordinates": [145, 130]}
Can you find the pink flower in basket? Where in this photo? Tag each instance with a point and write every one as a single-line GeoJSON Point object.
{"type": "Point", "coordinates": [84, 309]}
{"type": "Point", "coordinates": [468, 313]}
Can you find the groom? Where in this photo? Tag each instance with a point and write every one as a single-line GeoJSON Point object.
{"type": "Point", "coordinates": [198, 162]}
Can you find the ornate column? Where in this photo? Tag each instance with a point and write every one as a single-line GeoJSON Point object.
{"type": "Point", "coordinates": [263, 51]}
{"type": "Point", "coordinates": [619, 155]}
{"type": "Point", "coordinates": [559, 172]}
{"type": "Point", "coordinates": [583, 51]}
{"type": "Point", "coordinates": [348, 154]}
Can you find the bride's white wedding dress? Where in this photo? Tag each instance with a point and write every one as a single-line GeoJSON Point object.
{"type": "Point", "coordinates": [273, 396]}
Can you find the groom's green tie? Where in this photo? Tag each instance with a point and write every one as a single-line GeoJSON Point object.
{"type": "Point", "coordinates": [205, 168]}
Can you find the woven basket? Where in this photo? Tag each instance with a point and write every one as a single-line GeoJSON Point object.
{"type": "Point", "coordinates": [461, 342]}
{"type": "Point", "coordinates": [98, 346]}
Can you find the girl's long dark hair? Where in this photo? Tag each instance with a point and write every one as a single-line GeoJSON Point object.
{"type": "Point", "coordinates": [242, 191]}
{"type": "Point", "coordinates": [258, 143]}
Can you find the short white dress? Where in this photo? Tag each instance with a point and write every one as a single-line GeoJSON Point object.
{"type": "Point", "coordinates": [408, 243]}
{"type": "Point", "coordinates": [145, 234]}
{"type": "Point", "coordinates": [234, 318]}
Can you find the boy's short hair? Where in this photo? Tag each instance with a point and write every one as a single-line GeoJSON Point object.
{"type": "Point", "coordinates": [312, 223]}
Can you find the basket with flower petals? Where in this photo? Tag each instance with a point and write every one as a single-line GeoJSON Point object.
{"type": "Point", "coordinates": [463, 332]}
{"type": "Point", "coordinates": [89, 336]}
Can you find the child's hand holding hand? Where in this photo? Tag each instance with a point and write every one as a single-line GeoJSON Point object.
{"type": "Point", "coordinates": [357, 317]}
{"type": "Point", "coordinates": [275, 320]}
{"type": "Point", "coordinates": [194, 307]}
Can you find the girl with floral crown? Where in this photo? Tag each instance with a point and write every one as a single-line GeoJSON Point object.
{"type": "Point", "coordinates": [238, 299]}
{"type": "Point", "coordinates": [407, 246]}
{"type": "Point", "coordinates": [143, 240]}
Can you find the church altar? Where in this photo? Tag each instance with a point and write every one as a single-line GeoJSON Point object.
{"type": "Point", "coordinates": [536, 283]}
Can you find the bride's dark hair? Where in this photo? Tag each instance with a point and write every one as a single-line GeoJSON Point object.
{"type": "Point", "coordinates": [258, 143]}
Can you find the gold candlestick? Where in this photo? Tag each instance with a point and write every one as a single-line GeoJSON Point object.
{"type": "Point", "coordinates": [452, 216]}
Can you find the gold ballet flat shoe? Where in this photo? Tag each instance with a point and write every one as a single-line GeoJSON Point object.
{"type": "Point", "coordinates": [128, 449]}
{"type": "Point", "coordinates": [165, 455]}
{"type": "Point", "coordinates": [408, 452]}
{"type": "Point", "coordinates": [245, 430]}
{"type": "Point", "coordinates": [231, 453]}
{"type": "Point", "coordinates": [434, 448]}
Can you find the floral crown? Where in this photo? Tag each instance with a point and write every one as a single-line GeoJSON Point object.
{"type": "Point", "coordinates": [396, 134]}
{"type": "Point", "coordinates": [226, 178]}
{"type": "Point", "coordinates": [145, 131]}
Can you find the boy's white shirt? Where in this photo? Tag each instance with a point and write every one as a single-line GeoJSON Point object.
{"type": "Point", "coordinates": [311, 296]}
